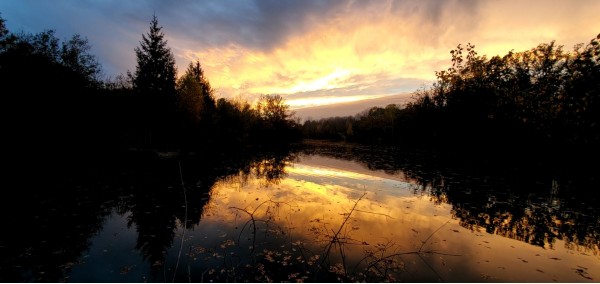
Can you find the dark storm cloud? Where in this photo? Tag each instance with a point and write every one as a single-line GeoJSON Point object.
{"type": "Point", "coordinates": [259, 25]}
{"type": "Point", "coordinates": [115, 27]}
{"type": "Point", "coordinates": [432, 11]}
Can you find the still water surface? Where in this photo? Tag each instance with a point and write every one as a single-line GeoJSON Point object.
{"type": "Point", "coordinates": [311, 216]}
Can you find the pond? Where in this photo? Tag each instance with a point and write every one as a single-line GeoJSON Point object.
{"type": "Point", "coordinates": [320, 214]}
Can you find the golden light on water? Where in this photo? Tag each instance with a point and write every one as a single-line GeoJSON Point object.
{"type": "Point", "coordinates": [308, 207]}
{"type": "Point", "coordinates": [312, 201]}
{"type": "Point", "coordinates": [312, 171]}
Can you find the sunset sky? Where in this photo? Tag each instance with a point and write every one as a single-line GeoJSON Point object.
{"type": "Point", "coordinates": [311, 52]}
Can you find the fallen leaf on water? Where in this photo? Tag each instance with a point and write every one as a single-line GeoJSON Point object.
{"type": "Point", "coordinates": [125, 269]}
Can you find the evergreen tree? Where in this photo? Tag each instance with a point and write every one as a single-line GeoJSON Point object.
{"type": "Point", "coordinates": [155, 70]}
{"type": "Point", "coordinates": [195, 100]}
{"type": "Point", "coordinates": [154, 80]}
{"type": "Point", "coordinates": [196, 106]}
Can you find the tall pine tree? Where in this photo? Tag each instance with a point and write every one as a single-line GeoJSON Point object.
{"type": "Point", "coordinates": [155, 71]}
{"type": "Point", "coordinates": [154, 81]}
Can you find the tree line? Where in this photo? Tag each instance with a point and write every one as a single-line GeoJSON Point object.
{"type": "Point", "coordinates": [544, 99]}
{"type": "Point", "coordinates": [57, 101]}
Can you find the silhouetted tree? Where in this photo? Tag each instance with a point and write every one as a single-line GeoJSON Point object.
{"type": "Point", "coordinates": [273, 108]}
{"type": "Point", "coordinates": [154, 80]}
{"type": "Point", "coordinates": [155, 70]}
{"type": "Point", "coordinates": [543, 101]}
{"type": "Point", "coordinates": [56, 109]}
{"type": "Point", "coordinates": [3, 29]}
{"type": "Point", "coordinates": [196, 105]}
{"type": "Point", "coordinates": [4, 35]}
{"type": "Point", "coordinates": [75, 55]}
{"type": "Point", "coordinates": [236, 122]}
{"type": "Point", "coordinates": [276, 119]}
{"type": "Point", "coordinates": [194, 94]}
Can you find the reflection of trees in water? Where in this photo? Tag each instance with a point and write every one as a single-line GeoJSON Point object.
{"type": "Point", "coordinates": [514, 205]}
{"type": "Point", "coordinates": [157, 202]}
{"type": "Point", "coordinates": [49, 224]}
{"type": "Point", "coordinates": [272, 167]}
{"type": "Point", "coordinates": [269, 166]}
{"type": "Point", "coordinates": [535, 213]}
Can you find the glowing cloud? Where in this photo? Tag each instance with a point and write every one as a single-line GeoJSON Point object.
{"type": "Point", "coordinates": [356, 46]}
{"type": "Point", "coordinates": [312, 51]}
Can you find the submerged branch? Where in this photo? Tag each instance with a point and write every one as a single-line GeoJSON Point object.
{"type": "Point", "coordinates": [431, 235]}
{"type": "Point", "coordinates": [251, 214]}
{"type": "Point", "coordinates": [335, 239]}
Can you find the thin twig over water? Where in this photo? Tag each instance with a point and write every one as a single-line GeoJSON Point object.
{"type": "Point", "coordinates": [184, 223]}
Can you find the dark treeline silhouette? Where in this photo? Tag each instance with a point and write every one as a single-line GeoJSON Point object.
{"type": "Point", "coordinates": [57, 104]}
{"type": "Point", "coordinates": [544, 99]}
{"type": "Point", "coordinates": [43, 79]}
{"type": "Point", "coordinates": [184, 114]}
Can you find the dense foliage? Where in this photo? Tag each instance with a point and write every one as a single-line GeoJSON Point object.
{"type": "Point", "coordinates": [544, 98]}
{"type": "Point", "coordinates": [50, 93]}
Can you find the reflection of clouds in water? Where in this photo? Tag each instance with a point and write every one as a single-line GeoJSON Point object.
{"type": "Point", "coordinates": [318, 197]}
{"type": "Point", "coordinates": [310, 203]}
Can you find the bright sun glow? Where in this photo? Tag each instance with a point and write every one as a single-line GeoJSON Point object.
{"type": "Point", "coordinates": [324, 83]}
{"type": "Point", "coordinates": [339, 59]}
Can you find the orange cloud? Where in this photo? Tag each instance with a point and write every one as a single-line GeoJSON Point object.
{"type": "Point", "coordinates": [388, 40]}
